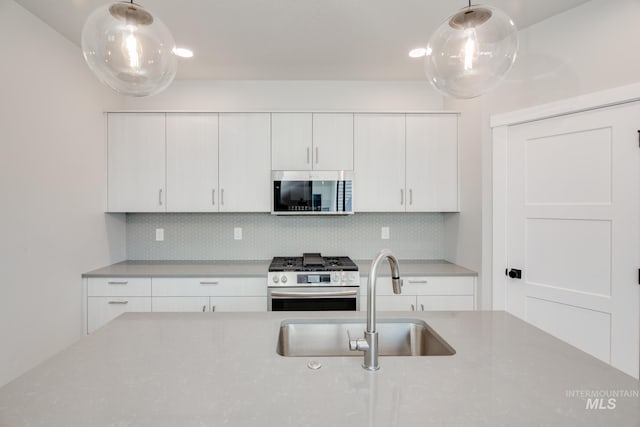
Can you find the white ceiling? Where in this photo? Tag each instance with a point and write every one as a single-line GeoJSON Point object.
{"type": "Point", "coordinates": [297, 39]}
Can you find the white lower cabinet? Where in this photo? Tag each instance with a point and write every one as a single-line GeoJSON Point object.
{"type": "Point", "coordinates": [180, 304]}
{"type": "Point", "coordinates": [238, 303]}
{"type": "Point", "coordinates": [107, 298]}
{"type": "Point", "coordinates": [101, 310]}
{"type": "Point", "coordinates": [429, 293]}
{"type": "Point", "coordinates": [209, 294]}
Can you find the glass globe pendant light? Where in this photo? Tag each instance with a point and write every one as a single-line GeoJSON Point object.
{"type": "Point", "coordinates": [129, 49]}
{"type": "Point", "coordinates": [471, 52]}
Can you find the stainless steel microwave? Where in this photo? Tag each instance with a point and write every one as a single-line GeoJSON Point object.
{"type": "Point", "coordinates": [312, 192]}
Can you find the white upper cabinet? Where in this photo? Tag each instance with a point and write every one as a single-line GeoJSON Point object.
{"type": "Point", "coordinates": [432, 163]}
{"type": "Point", "coordinates": [379, 145]}
{"type": "Point", "coordinates": [291, 141]}
{"type": "Point", "coordinates": [136, 162]}
{"type": "Point", "coordinates": [306, 141]}
{"type": "Point", "coordinates": [244, 167]}
{"type": "Point", "coordinates": [406, 163]}
{"type": "Point", "coordinates": [332, 141]}
{"type": "Point", "coordinates": [192, 162]}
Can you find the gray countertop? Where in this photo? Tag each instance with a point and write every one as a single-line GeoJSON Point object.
{"type": "Point", "coordinates": [214, 369]}
{"type": "Point", "coordinates": [258, 269]}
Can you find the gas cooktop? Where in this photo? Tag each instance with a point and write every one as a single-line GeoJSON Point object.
{"type": "Point", "coordinates": [313, 262]}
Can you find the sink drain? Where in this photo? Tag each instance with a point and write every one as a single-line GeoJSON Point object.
{"type": "Point", "coordinates": [314, 364]}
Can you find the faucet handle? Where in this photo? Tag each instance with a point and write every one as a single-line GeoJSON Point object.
{"type": "Point", "coordinates": [358, 344]}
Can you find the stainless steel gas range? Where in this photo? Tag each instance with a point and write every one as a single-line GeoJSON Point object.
{"type": "Point", "coordinates": [313, 283]}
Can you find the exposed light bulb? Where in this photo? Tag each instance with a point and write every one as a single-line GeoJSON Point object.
{"type": "Point", "coordinates": [469, 49]}
{"type": "Point", "coordinates": [132, 46]}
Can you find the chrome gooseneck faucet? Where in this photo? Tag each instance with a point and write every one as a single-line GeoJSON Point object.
{"type": "Point", "coordinates": [369, 344]}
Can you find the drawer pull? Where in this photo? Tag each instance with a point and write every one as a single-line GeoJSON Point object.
{"type": "Point", "coordinates": [209, 283]}
{"type": "Point", "coordinates": [418, 281]}
{"type": "Point", "coordinates": [118, 302]}
{"type": "Point", "coordinates": [118, 283]}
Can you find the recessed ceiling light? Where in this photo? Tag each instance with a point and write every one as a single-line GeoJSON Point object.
{"type": "Point", "coordinates": [183, 52]}
{"type": "Point", "coordinates": [418, 53]}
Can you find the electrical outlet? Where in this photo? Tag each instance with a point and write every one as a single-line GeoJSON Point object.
{"type": "Point", "coordinates": [159, 234]}
{"type": "Point", "coordinates": [384, 233]}
{"type": "Point", "coordinates": [237, 233]}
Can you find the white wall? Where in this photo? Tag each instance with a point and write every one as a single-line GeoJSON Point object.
{"type": "Point", "coordinates": [291, 95]}
{"type": "Point", "coordinates": [52, 192]}
{"type": "Point", "coordinates": [590, 48]}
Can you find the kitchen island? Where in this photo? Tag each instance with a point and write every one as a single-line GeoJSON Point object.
{"type": "Point", "coordinates": [214, 369]}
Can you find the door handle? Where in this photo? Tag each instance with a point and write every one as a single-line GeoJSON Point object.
{"type": "Point", "coordinates": [513, 273]}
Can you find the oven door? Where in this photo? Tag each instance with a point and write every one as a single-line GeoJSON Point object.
{"type": "Point", "coordinates": [314, 298]}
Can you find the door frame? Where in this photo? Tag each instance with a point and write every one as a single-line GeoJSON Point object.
{"type": "Point", "coordinates": [500, 124]}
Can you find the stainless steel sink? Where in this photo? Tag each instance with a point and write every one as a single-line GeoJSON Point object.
{"type": "Point", "coordinates": [329, 337]}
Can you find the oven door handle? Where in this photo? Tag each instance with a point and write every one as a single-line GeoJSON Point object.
{"type": "Point", "coordinates": [313, 294]}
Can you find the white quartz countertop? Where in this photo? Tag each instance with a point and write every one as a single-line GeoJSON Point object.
{"type": "Point", "coordinates": [218, 369]}
{"type": "Point", "coordinates": [258, 268]}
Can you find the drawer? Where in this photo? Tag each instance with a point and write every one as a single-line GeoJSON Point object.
{"type": "Point", "coordinates": [101, 310]}
{"type": "Point", "coordinates": [209, 286]}
{"type": "Point", "coordinates": [439, 285]}
{"type": "Point", "coordinates": [119, 286]}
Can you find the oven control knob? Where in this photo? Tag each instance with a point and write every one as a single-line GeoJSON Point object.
{"type": "Point", "coordinates": [275, 278]}
{"type": "Point", "coordinates": [283, 279]}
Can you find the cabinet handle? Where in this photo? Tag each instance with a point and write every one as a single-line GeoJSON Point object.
{"type": "Point", "coordinates": [413, 307]}
{"type": "Point", "coordinates": [118, 283]}
{"type": "Point", "coordinates": [417, 281]}
{"type": "Point", "coordinates": [307, 154]}
{"type": "Point", "coordinates": [160, 197]}
{"type": "Point", "coordinates": [213, 197]}
{"type": "Point", "coordinates": [222, 196]}
{"type": "Point", "coordinates": [316, 155]}
{"type": "Point", "coordinates": [410, 196]}
{"type": "Point", "coordinates": [118, 302]}
{"type": "Point", "coordinates": [422, 307]}
{"type": "Point", "coordinates": [209, 283]}
{"type": "Point", "coordinates": [401, 196]}
{"type": "Point", "coordinates": [213, 308]}
{"type": "Point", "coordinates": [204, 308]}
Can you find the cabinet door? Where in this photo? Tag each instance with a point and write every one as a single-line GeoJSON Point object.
{"type": "Point", "coordinates": [432, 162]}
{"type": "Point", "coordinates": [445, 302]}
{"type": "Point", "coordinates": [192, 162]}
{"type": "Point", "coordinates": [391, 303]}
{"type": "Point", "coordinates": [136, 162]}
{"type": "Point", "coordinates": [245, 167]}
{"type": "Point", "coordinates": [101, 310]}
{"type": "Point", "coordinates": [291, 141]}
{"type": "Point", "coordinates": [332, 141]}
{"type": "Point", "coordinates": [180, 304]}
{"type": "Point", "coordinates": [379, 163]}
{"type": "Point", "coordinates": [238, 303]}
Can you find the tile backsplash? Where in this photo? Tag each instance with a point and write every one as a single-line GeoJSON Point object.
{"type": "Point", "coordinates": [203, 236]}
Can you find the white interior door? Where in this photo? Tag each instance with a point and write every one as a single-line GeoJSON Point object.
{"type": "Point", "coordinates": [572, 229]}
